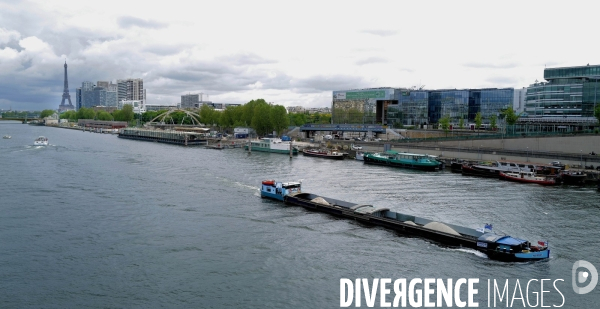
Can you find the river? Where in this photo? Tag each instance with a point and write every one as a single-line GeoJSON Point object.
{"type": "Point", "coordinates": [94, 221]}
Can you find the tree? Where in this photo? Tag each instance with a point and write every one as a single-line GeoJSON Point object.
{"type": "Point", "coordinates": [86, 113]}
{"type": "Point", "coordinates": [478, 120]}
{"type": "Point", "coordinates": [597, 113]}
{"type": "Point", "coordinates": [510, 116]}
{"type": "Point", "coordinates": [493, 120]}
{"type": "Point", "coordinates": [208, 115]}
{"type": "Point", "coordinates": [445, 123]}
{"type": "Point", "coordinates": [461, 123]}
{"type": "Point", "coordinates": [71, 115]}
{"type": "Point", "coordinates": [261, 119]}
{"type": "Point", "coordinates": [45, 113]}
{"type": "Point", "coordinates": [279, 118]}
{"type": "Point", "coordinates": [127, 111]}
{"type": "Point", "coordinates": [104, 115]}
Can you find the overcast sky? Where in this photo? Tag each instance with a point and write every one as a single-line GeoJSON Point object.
{"type": "Point", "coordinates": [289, 53]}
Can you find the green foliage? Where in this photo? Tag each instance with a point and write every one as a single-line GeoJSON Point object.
{"type": "Point", "coordinates": [104, 115]}
{"type": "Point", "coordinates": [597, 113]}
{"type": "Point", "coordinates": [127, 111]}
{"type": "Point", "coordinates": [461, 123]}
{"type": "Point", "coordinates": [261, 119]}
{"type": "Point", "coordinates": [86, 113]}
{"type": "Point", "coordinates": [45, 113]}
{"type": "Point", "coordinates": [493, 122]}
{"type": "Point", "coordinates": [279, 118]}
{"type": "Point", "coordinates": [71, 115]}
{"type": "Point", "coordinates": [149, 115]}
{"type": "Point", "coordinates": [208, 115]}
{"type": "Point", "coordinates": [445, 123]}
{"type": "Point", "coordinates": [297, 119]}
{"type": "Point", "coordinates": [510, 116]}
{"type": "Point", "coordinates": [478, 120]}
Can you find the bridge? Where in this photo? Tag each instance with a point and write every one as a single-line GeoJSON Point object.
{"type": "Point", "coordinates": [343, 128]}
{"type": "Point", "coordinates": [21, 118]}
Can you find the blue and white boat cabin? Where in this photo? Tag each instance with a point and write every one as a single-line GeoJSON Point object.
{"type": "Point", "coordinates": [277, 190]}
{"type": "Point", "coordinates": [510, 248]}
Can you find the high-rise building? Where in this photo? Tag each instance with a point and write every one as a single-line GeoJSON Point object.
{"type": "Point", "coordinates": [131, 89]}
{"type": "Point", "coordinates": [569, 93]}
{"type": "Point", "coordinates": [103, 84]}
{"type": "Point", "coordinates": [190, 101]}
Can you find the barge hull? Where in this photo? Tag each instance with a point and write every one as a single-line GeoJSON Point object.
{"type": "Point", "coordinates": [399, 226]}
{"type": "Point", "coordinates": [399, 164]}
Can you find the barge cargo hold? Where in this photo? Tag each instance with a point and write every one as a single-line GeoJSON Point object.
{"type": "Point", "coordinates": [161, 136]}
{"type": "Point", "coordinates": [498, 247]}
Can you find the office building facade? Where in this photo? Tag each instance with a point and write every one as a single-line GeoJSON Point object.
{"type": "Point", "coordinates": [569, 93]}
{"type": "Point", "coordinates": [190, 101]}
{"type": "Point", "coordinates": [131, 89]}
{"type": "Point", "coordinates": [362, 105]}
{"type": "Point", "coordinates": [416, 107]}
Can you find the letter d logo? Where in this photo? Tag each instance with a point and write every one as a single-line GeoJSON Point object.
{"type": "Point", "coordinates": [582, 277]}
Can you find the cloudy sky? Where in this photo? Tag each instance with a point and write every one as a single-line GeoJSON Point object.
{"type": "Point", "coordinates": [286, 52]}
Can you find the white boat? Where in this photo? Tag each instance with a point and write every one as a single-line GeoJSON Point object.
{"type": "Point", "coordinates": [41, 141]}
{"type": "Point", "coordinates": [6, 137]}
{"type": "Point", "coordinates": [360, 156]}
{"type": "Point", "coordinates": [270, 144]}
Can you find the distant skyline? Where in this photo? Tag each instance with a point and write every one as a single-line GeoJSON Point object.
{"type": "Point", "coordinates": [289, 53]}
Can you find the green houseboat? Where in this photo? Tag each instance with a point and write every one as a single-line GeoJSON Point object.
{"type": "Point", "coordinates": [403, 159]}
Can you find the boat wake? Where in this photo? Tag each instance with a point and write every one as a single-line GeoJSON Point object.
{"type": "Point", "coordinates": [472, 251]}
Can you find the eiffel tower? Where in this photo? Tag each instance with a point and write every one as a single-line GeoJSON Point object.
{"type": "Point", "coordinates": [66, 96]}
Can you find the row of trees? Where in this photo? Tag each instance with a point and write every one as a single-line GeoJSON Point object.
{"type": "Point", "coordinates": [125, 114]}
{"type": "Point", "coordinates": [508, 114]}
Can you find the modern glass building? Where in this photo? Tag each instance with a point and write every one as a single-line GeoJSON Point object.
{"type": "Point", "coordinates": [413, 106]}
{"type": "Point", "coordinates": [419, 107]}
{"type": "Point", "coordinates": [362, 105]}
{"type": "Point", "coordinates": [568, 93]}
{"type": "Point", "coordinates": [489, 102]}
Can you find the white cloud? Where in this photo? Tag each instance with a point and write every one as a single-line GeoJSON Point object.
{"type": "Point", "coordinates": [292, 53]}
{"type": "Point", "coordinates": [8, 35]}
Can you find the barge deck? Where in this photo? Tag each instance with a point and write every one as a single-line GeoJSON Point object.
{"type": "Point", "coordinates": [499, 247]}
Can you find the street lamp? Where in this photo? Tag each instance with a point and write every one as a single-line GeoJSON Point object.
{"type": "Point", "coordinates": [527, 153]}
{"type": "Point", "coordinates": [580, 158]}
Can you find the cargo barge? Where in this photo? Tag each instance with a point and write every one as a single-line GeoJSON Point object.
{"type": "Point", "coordinates": [498, 247]}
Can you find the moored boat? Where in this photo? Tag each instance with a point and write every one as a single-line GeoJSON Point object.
{"type": "Point", "coordinates": [360, 156]}
{"type": "Point", "coordinates": [528, 177]}
{"type": "Point", "coordinates": [41, 141]}
{"type": "Point", "coordinates": [403, 159]}
{"type": "Point", "coordinates": [271, 144]}
{"type": "Point", "coordinates": [499, 247]}
{"type": "Point", "coordinates": [570, 177]}
{"type": "Point", "coordinates": [6, 137]}
{"type": "Point", "coordinates": [326, 154]}
{"type": "Point", "coordinates": [456, 166]}
{"type": "Point", "coordinates": [490, 171]}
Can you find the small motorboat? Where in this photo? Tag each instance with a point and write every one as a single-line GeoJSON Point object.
{"type": "Point", "coordinates": [528, 177]}
{"type": "Point", "coordinates": [7, 137]}
{"type": "Point", "coordinates": [360, 156]}
{"type": "Point", "coordinates": [41, 141]}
